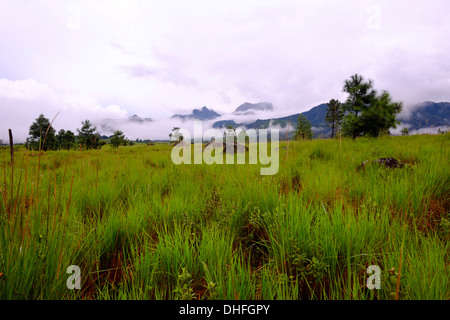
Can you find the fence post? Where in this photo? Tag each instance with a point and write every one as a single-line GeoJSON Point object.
{"type": "Point", "coordinates": [11, 145]}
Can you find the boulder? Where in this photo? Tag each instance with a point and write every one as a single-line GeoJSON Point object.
{"type": "Point", "coordinates": [390, 163]}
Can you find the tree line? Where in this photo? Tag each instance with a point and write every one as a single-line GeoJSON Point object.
{"type": "Point", "coordinates": [365, 112]}
{"type": "Point", "coordinates": [42, 136]}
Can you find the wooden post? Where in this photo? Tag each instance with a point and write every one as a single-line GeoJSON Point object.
{"type": "Point", "coordinates": [11, 145]}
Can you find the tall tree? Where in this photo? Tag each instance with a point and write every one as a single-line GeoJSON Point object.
{"type": "Point", "coordinates": [66, 139]}
{"type": "Point", "coordinates": [381, 116]}
{"type": "Point", "coordinates": [360, 96]}
{"type": "Point", "coordinates": [42, 135]}
{"type": "Point", "coordinates": [87, 137]}
{"type": "Point", "coordinates": [118, 139]}
{"type": "Point", "coordinates": [303, 130]}
{"type": "Point", "coordinates": [334, 116]}
{"type": "Point", "coordinates": [365, 112]}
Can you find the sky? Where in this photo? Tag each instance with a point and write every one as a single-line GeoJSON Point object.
{"type": "Point", "coordinates": [110, 59]}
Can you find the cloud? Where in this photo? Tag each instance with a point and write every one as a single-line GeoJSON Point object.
{"type": "Point", "coordinates": [28, 89]}
{"type": "Point", "coordinates": [22, 101]}
{"type": "Point", "coordinates": [428, 130]}
{"type": "Point", "coordinates": [162, 74]}
{"type": "Point", "coordinates": [158, 58]}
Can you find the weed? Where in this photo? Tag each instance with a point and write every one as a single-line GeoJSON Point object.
{"type": "Point", "coordinates": [184, 290]}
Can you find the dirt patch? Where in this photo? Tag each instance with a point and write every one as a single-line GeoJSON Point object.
{"type": "Point", "coordinates": [437, 210]}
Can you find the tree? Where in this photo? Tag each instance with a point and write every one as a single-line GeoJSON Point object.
{"type": "Point", "coordinates": [334, 116]}
{"type": "Point", "coordinates": [230, 131]}
{"type": "Point", "coordinates": [361, 96]}
{"type": "Point", "coordinates": [365, 112]}
{"type": "Point", "coordinates": [405, 131]}
{"type": "Point", "coordinates": [42, 135]}
{"type": "Point", "coordinates": [303, 128]}
{"type": "Point", "coordinates": [66, 139]}
{"type": "Point", "coordinates": [118, 139]}
{"type": "Point", "coordinates": [381, 116]}
{"type": "Point", "coordinates": [87, 137]}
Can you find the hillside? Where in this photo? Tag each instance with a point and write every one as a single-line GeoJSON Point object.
{"type": "Point", "coordinates": [427, 114]}
{"type": "Point", "coordinates": [316, 116]}
{"type": "Point", "coordinates": [424, 115]}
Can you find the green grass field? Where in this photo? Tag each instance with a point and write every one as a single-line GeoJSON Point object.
{"type": "Point", "coordinates": [140, 227]}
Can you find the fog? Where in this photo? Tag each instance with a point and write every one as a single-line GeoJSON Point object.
{"type": "Point", "coordinates": [112, 59]}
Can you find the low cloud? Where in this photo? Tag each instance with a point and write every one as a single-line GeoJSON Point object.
{"type": "Point", "coordinates": [22, 101]}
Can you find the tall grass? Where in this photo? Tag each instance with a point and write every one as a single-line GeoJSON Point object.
{"type": "Point", "coordinates": [140, 227]}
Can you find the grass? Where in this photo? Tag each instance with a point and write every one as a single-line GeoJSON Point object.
{"type": "Point", "coordinates": [141, 227]}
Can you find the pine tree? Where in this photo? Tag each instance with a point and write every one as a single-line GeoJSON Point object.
{"type": "Point", "coordinates": [334, 116]}
{"type": "Point", "coordinates": [303, 128]}
{"type": "Point", "coordinates": [118, 139]}
{"type": "Point", "coordinates": [365, 112]}
{"type": "Point", "coordinates": [87, 137]}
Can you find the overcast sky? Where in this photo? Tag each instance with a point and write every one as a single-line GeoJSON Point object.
{"type": "Point", "coordinates": [111, 59]}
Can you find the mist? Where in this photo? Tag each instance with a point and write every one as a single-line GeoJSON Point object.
{"type": "Point", "coordinates": [110, 60]}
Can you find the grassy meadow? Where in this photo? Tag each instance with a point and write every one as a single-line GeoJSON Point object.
{"type": "Point", "coordinates": [140, 227]}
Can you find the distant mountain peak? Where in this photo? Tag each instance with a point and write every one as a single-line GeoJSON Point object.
{"type": "Point", "coordinates": [198, 114]}
{"type": "Point", "coordinates": [249, 108]}
{"type": "Point", "coordinates": [136, 118]}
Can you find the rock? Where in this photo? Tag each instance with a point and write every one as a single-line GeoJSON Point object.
{"type": "Point", "coordinates": [390, 163]}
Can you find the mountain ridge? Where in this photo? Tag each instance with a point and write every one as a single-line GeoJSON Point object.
{"type": "Point", "coordinates": [248, 108]}
{"type": "Point", "coordinates": [198, 114]}
{"type": "Point", "coordinates": [427, 114]}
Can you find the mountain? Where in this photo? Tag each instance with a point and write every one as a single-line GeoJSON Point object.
{"type": "Point", "coordinates": [316, 116]}
{"type": "Point", "coordinates": [108, 126]}
{"type": "Point", "coordinates": [136, 118]}
{"type": "Point", "coordinates": [249, 108]}
{"type": "Point", "coordinates": [427, 114]}
{"type": "Point", "coordinates": [198, 114]}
